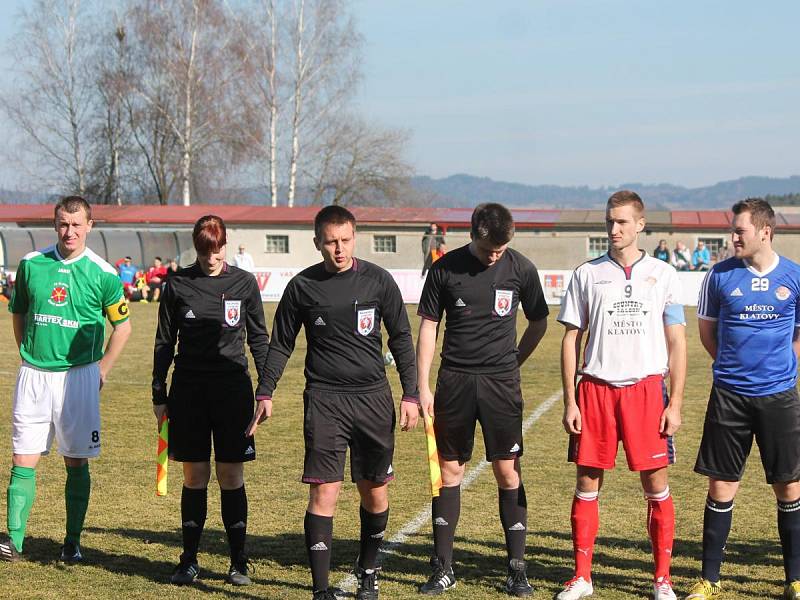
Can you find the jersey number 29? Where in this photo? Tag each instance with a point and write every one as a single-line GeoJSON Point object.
{"type": "Point", "coordinates": [759, 284]}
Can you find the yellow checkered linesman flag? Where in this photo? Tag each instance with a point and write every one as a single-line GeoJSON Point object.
{"type": "Point", "coordinates": [434, 469]}
{"type": "Point", "coordinates": [162, 457]}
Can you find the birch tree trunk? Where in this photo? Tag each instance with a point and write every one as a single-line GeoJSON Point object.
{"type": "Point", "coordinates": [186, 162]}
{"type": "Point", "coordinates": [273, 109]}
{"type": "Point", "coordinates": [298, 102]}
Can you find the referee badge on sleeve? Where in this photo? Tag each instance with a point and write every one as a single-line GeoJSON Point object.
{"type": "Point", "coordinates": [232, 311]}
{"type": "Point", "coordinates": [366, 321]}
{"type": "Point", "coordinates": [502, 302]}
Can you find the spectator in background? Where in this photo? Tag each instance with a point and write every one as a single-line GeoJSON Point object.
{"type": "Point", "coordinates": [243, 260]}
{"type": "Point", "coordinates": [127, 274]}
{"type": "Point", "coordinates": [132, 280]}
{"type": "Point", "coordinates": [5, 286]}
{"type": "Point", "coordinates": [155, 277]}
{"type": "Point", "coordinates": [433, 247]}
{"type": "Point", "coordinates": [725, 252]}
{"type": "Point", "coordinates": [172, 268]}
{"type": "Point", "coordinates": [681, 259]}
{"type": "Point", "coordinates": [662, 252]}
{"type": "Point", "coordinates": [701, 257]}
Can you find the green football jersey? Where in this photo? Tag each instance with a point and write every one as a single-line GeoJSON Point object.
{"type": "Point", "coordinates": [65, 303]}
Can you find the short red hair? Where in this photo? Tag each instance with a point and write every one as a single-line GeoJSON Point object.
{"type": "Point", "coordinates": [209, 235]}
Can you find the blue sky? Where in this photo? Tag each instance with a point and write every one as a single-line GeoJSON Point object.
{"type": "Point", "coordinates": [583, 92]}
{"type": "Point", "coordinates": [588, 92]}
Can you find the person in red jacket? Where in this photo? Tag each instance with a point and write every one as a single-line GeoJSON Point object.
{"type": "Point", "coordinates": [155, 277]}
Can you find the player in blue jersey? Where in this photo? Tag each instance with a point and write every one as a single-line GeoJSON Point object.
{"type": "Point", "coordinates": [749, 314]}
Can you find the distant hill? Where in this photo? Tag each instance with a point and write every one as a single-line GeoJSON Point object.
{"type": "Point", "coordinates": [467, 190]}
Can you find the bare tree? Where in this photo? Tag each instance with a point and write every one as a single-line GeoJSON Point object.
{"type": "Point", "coordinates": [259, 28]}
{"type": "Point", "coordinates": [196, 57]}
{"type": "Point", "coordinates": [325, 45]}
{"type": "Point", "coordinates": [360, 163]}
{"type": "Point", "coordinates": [112, 71]}
{"type": "Point", "coordinates": [53, 102]}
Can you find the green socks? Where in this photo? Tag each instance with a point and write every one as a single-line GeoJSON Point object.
{"type": "Point", "coordinates": [21, 492]}
{"type": "Point", "coordinates": [76, 494]}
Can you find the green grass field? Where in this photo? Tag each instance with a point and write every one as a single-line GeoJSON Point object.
{"type": "Point", "coordinates": [132, 539]}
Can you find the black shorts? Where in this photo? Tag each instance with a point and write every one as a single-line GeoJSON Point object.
{"type": "Point", "coordinates": [462, 399]}
{"type": "Point", "coordinates": [204, 407]}
{"type": "Point", "coordinates": [731, 422]}
{"type": "Point", "coordinates": [361, 420]}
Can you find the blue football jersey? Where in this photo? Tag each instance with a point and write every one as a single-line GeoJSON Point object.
{"type": "Point", "coordinates": [756, 316]}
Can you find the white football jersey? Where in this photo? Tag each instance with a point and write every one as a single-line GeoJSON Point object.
{"type": "Point", "coordinates": [624, 310]}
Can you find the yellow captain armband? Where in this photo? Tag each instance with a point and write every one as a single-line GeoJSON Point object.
{"type": "Point", "coordinates": [119, 312]}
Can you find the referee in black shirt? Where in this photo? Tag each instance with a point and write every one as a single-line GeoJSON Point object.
{"type": "Point", "coordinates": [479, 288]}
{"type": "Point", "coordinates": [341, 303]}
{"type": "Point", "coordinates": [208, 309]}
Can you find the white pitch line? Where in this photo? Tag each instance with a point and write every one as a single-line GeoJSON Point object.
{"type": "Point", "coordinates": [424, 515]}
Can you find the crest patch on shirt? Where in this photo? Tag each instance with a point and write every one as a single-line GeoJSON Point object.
{"type": "Point", "coordinates": [232, 311]}
{"type": "Point", "coordinates": [502, 302]}
{"type": "Point", "coordinates": [782, 293]}
{"type": "Point", "coordinates": [366, 321]}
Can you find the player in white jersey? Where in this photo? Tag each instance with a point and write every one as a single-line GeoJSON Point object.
{"type": "Point", "coordinates": [627, 304]}
{"type": "Point", "coordinates": [62, 297]}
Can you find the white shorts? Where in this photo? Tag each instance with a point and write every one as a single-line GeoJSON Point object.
{"type": "Point", "coordinates": [64, 404]}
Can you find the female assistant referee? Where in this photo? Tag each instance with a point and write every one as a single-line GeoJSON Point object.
{"type": "Point", "coordinates": [208, 309]}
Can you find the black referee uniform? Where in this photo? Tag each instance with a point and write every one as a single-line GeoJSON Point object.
{"type": "Point", "coordinates": [211, 395]}
{"type": "Point", "coordinates": [347, 400]}
{"type": "Point", "coordinates": [479, 377]}
{"type": "Point", "coordinates": [479, 381]}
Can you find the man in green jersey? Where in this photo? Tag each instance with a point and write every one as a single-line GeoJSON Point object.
{"type": "Point", "coordinates": [62, 296]}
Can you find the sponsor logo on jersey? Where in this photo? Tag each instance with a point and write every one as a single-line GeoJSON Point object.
{"type": "Point", "coordinates": [782, 293]}
{"type": "Point", "coordinates": [59, 294]}
{"type": "Point", "coordinates": [232, 311]}
{"type": "Point", "coordinates": [55, 320]}
{"type": "Point", "coordinates": [514, 448]}
{"type": "Point", "coordinates": [460, 303]}
{"type": "Point", "coordinates": [366, 321]}
{"type": "Point", "coordinates": [249, 451]}
{"type": "Point", "coordinates": [627, 307]}
{"type": "Point", "coordinates": [440, 522]}
{"type": "Point", "coordinates": [319, 547]}
{"type": "Point", "coordinates": [759, 312]}
{"type": "Point", "coordinates": [190, 314]}
{"type": "Point", "coordinates": [502, 302]}
{"type": "Point", "coordinates": [517, 527]}
{"type": "Point", "coordinates": [320, 322]}
{"type": "Point", "coordinates": [736, 293]}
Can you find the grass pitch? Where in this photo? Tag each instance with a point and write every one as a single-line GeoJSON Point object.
{"type": "Point", "coordinates": [132, 538]}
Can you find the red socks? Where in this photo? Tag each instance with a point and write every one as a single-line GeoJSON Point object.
{"type": "Point", "coordinates": [585, 523]}
{"type": "Point", "coordinates": [661, 527]}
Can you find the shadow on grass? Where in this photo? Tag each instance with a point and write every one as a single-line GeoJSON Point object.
{"type": "Point", "coordinates": [479, 563]}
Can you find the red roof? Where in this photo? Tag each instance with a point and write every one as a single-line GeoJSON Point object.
{"type": "Point", "coordinates": [142, 214]}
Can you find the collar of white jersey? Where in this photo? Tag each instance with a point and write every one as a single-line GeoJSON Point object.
{"type": "Point", "coordinates": [771, 268]}
{"type": "Point", "coordinates": [642, 256]}
{"type": "Point", "coordinates": [68, 261]}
